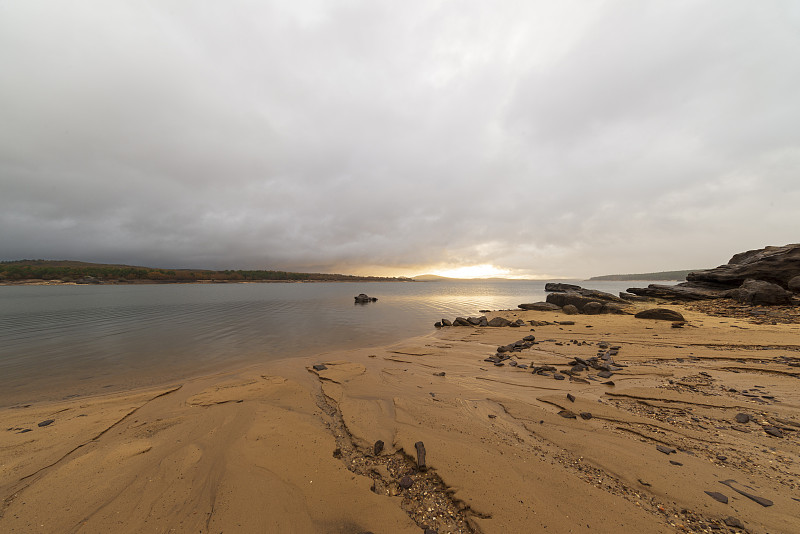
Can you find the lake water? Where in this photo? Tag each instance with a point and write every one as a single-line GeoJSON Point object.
{"type": "Point", "coordinates": [74, 340]}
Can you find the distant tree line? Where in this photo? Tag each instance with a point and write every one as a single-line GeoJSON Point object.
{"type": "Point", "coordinates": [79, 271]}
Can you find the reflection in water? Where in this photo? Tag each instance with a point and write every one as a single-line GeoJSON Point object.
{"type": "Point", "coordinates": [63, 338]}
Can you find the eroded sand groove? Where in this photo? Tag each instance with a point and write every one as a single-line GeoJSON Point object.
{"type": "Point", "coordinates": [426, 499]}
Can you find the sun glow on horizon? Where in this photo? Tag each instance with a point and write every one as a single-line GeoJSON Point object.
{"type": "Point", "coordinates": [472, 271]}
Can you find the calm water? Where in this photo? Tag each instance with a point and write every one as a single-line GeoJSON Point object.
{"type": "Point", "coordinates": [61, 340]}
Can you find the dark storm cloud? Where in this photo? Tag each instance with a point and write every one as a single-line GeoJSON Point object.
{"type": "Point", "coordinates": [562, 138]}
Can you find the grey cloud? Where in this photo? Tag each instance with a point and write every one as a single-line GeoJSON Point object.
{"type": "Point", "coordinates": [559, 139]}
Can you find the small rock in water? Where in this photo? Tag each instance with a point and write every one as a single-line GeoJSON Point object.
{"type": "Point", "coordinates": [570, 397]}
{"type": "Point", "coordinates": [319, 367]}
{"type": "Point", "coordinates": [377, 448]}
{"type": "Point", "coordinates": [717, 496]}
{"type": "Point", "coordinates": [406, 482]}
{"type": "Point", "coordinates": [742, 418]}
{"type": "Point", "coordinates": [665, 450]}
{"type": "Point", "coordinates": [46, 422]}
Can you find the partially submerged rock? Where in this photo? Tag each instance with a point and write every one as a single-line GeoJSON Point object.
{"type": "Point", "coordinates": [363, 298]}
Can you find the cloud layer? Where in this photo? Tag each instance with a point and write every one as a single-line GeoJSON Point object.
{"type": "Point", "coordinates": [563, 138]}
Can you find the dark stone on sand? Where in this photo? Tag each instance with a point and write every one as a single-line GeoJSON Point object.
{"type": "Point", "coordinates": [437, 324]}
{"type": "Point", "coordinates": [539, 306]}
{"type": "Point", "coordinates": [319, 367]}
{"type": "Point", "coordinates": [337, 453]}
{"type": "Point", "coordinates": [592, 308]}
{"type": "Point", "coordinates": [24, 430]}
{"type": "Point", "coordinates": [678, 324]}
{"type": "Point", "coordinates": [46, 422]}
{"type": "Point", "coordinates": [585, 416]}
{"type": "Point", "coordinates": [665, 449]}
{"type": "Point", "coordinates": [760, 500]}
{"type": "Point", "coordinates": [559, 377]}
{"type": "Point", "coordinates": [406, 482]}
{"type": "Point", "coordinates": [570, 397]}
{"type": "Point", "coordinates": [474, 321]}
{"type": "Point", "coordinates": [605, 374]}
{"type": "Point", "coordinates": [721, 457]}
{"type": "Point", "coordinates": [498, 321]}
{"type": "Point", "coordinates": [717, 496]}
{"type": "Point", "coordinates": [529, 338]}
{"type": "Point", "coordinates": [377, 448]}
{"type": "Point", "coordinates": [566, 414]}
{"type": "Point", "coordinates": [733, 522]}
{"type": "Point", "coordinates": [660, 314]}
{"type": "Point", "coordinates": [420, 456]}
{"type": "Point", "coordinates": [772, 431]}
{"type": "Point", "coordinates": [673, 462]}
{"type": "Point", "coordinates": [609, 383]}
{"type": "Point", "coordinates": [566, 323]}
{"type": "Point", "coordinates": [742, 418]}
{"type": "Point", "coordinates": [447, 322]}
{"type": "Point", "coordinates": [440, 373]}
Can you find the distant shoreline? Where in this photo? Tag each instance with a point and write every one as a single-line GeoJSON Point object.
{"type": "Point", "coordinates": [40, 282]}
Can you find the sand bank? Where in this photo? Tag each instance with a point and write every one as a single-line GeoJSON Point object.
{"type": "Point", "coordinates": [284, 448]}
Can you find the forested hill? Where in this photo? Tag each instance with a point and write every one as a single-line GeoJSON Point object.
{"type": "Point", "coordinates": [82, 272]}
{"type": "Point", "coordinates": [663, 275]}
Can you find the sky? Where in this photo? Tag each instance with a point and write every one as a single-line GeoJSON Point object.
{"type": "Point", "coordinates": [513, 138]}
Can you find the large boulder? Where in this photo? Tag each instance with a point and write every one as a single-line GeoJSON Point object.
{"type": "Point", "coordinates": [760, 292]}
{"type": "Point", "coordinates": [592, 308]}
{"type": "Point", "coordinates": [498, 321]}
{"type": "Point", "coordinates": [794, 284]}
{"type": "Point", "coordinates": [661, 314]}
{"type": "Point", "coordinates": [771, 264]}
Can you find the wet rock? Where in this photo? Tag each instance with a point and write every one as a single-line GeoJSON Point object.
{"type": "Point", "coordinates": [474, 321]}
{"type": "Point", "coordinates": [461, 321]}
{"type": "Point", "coordinates": [46, 422]}
{"type": "Point", "coordinates": [319, 367]}
{"type": "Point", "coordinates": [447, 322]}
{"type": "Point", "coordinates": [742, 418]}
{"type": "Point", "coordinates": [660, 314]}
{"type": "Point", "coordinates": [665, 449]}
{"type": "Point", "coordinates": [377, 448]}
{"type": "Point", "coordinates": [566, 414]}
{"type": "Point", "coordinates": [363, 299]}
{"type": "Point", "coordinates": [717, 496]}
{"type": "Point", "coordinates": [437, 324]}
{"type": "Point", "coordinates": [539, 306]}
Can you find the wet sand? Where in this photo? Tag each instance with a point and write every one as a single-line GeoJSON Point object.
{"type": "Point", "coordinates": [284, 448]}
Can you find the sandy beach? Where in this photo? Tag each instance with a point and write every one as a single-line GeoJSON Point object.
{"type": "Point", "coordinates": [660, 445]}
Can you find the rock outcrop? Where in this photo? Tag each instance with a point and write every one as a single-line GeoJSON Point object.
{"type": "Point", "coordinates": [754, 277]}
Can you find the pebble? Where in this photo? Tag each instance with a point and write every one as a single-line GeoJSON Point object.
{"type": "Point", "coordinates": [566, 414]}
{"type": "Point", "coordinates": [605, 374]}
{"type": "Point", "coordinates": [771, 430]}
{"type": "Point", "coordinates": [24, 430]}
{"type": "Point", "coordinates": [586, 416]}
{"type": "Point", "coordinates": [742, 418]}
{"type": "Point", "coordinates": [721, 457]}
{"type": "Point", "coordinates": [673, 462]}
{"type": "Point", "coordinates": [406, 482]}
{"type": "Point", "coordinates": [733, 522]}
{"type": "Point", "coordinates": [558, 377]}
{"type": "Point", "coordinates": [440, 373]}
{"type": "Point", "coordinates": [665, 450]}
{"type": "Point", "coordinates": [717, 496]}
{"type": "Point", "coordinates": [570, 397]}
{"type": "Point", "coordinates": [46, 422]}
{"type": "Point", "coordinates": [377, 448]}
{"type": "Point", "coordinates": [319, 367]}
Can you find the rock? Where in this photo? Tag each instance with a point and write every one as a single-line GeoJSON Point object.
{"type": "Point", "coordinates": [363, 299]}
{"type": "Point", "coordinates": [566, 414]}
{"type": "Point", "coordinates": [566, 323]}
{"type": "Point", "coordinates": [631, 297]}
{"type": "Point", "coordinates": [678, 324]}
{"type": "Point", "coordinates": [717, 496]}
{"type": "Point", "coordinates": [437, 324]}
{"type": "Point", "coordinates": [570, 397]}
{"type": "Point", "coordinates": [406, 482]}
{"type": "Point", "coordinates": [760, 500]}
{"type": "Point", "coordinates": [794, 284]}
{"type": "Point", "coordinates": [446, 322]}
{"type": "Point", "coordinates": [580, 299]}
{"type": "Point", "coordinates": [592, 308]}
{"type": "Point", "coordinates": [673, 462]}
{"type": "Point", "coordinates": [555, 286]}
{"type": "Point", "coordinates": [742, 418]}
{"type": "Point", "coordinates": [461, 321]}
{"type": "Point", "coordinates": [569, 309]}
{"type": "Point", "coordinates": [609, 383]}
{"type": "Point", "coordinates": [772, 264]}
{"type": "Point", "coordinates": [559, 377]}
{"type": "Point", "coordinates": [605, 374]}
{"type": "Point", "coordinates": [683, 291]}
{"type": "Point", "coordinates": [771, 430]}
{"type": "Point", "coordinates": [474, 321]}
{"type": "Point", "coordinates": [539, 306]}
{"type": "Point", "coordinates": [760, 292]}
{"type": "Point", "coordinates": [665, 449]}
{"type": "Point", "coordinates": [440, 373]}
{"type": "Point", "coordinates": [499, 321]}
{"type": "Point", "coordinates": [46, 422]}
{"type": "Point", "coordinates": [733, 522]}
{"type": "Point", "coordinates": [616, 309]}
{"type": "Point", "coordinates": [420, 456]}
{"type": "Point", "coordinates": [586, 416]}
{"type": "Point", "coordinates": [319, 367]}
{"type": "Point", "coordinates": [377, 448]}
{"type": "Point", "coordinates": [660, 314]}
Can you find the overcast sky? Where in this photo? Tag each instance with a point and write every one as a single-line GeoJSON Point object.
{"type": "Point", "coordinates": [543, 138]}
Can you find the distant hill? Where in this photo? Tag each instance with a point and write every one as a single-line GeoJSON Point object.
{"type": "Point", "coordinates": [661, 276]}
{"type": "Point", "coordinates": [431, 278]}
{"type": "Point", "coordinates": [83, 272]}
